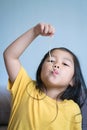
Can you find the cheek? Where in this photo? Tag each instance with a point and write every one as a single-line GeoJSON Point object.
{"type": "Point", "coordinates": [43, 68]}
{"type": "Point", "coordinates": [68, 74]}
{"type": "Point", "coordinates": [46, 67]}
{"type": "Point", "coordinates": [72, 72]}
{"type": "Point", "coordinates": [45, 71]}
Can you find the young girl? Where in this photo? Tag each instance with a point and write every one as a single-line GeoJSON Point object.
{"type": "Point", "coordinates": [52, 101]}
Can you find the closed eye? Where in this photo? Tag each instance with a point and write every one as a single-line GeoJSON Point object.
{"type": "Point", "coordinates": [65, 64]}
{"type": "Point", "coordinates": [51, 61]}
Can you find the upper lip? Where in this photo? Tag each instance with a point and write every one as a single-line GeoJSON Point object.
{"type": "Point", "coordinates": [55, 71]}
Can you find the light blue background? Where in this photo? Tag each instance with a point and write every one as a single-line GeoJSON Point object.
{"type": "Point", "coordinates": [69, 17]}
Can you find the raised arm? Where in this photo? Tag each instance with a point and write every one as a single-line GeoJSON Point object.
{"type": "Point", "coordinates": [14, 50]}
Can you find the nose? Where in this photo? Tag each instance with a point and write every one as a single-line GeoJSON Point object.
{"type": "Point", "coordinates": [56, 66]}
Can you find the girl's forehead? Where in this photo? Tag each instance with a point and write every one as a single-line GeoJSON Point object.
{"type": "Point", "coordinates": [58, 52]}
{"type": "Point", "coordinates": [61, 53]}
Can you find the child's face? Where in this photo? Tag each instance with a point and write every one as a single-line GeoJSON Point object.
{"type": "Point", "coordinates": [58, 70]}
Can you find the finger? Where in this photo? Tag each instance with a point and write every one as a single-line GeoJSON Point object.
{"type": "Point", "coordinates": [42, 27]}
{"type": "Point", "coordinates": [51, 29]}
{"type": "Point", "coordinates": [46, 29]}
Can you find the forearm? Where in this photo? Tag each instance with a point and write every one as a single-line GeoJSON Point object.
{"type": "Point", "coordinates": [20, 44]}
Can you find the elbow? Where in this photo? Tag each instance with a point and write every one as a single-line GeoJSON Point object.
{"type": "Point", "coordinates": [5, 55]}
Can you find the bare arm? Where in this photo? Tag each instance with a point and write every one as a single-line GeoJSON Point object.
{"type": "Point", "coordinates": [14, 50]}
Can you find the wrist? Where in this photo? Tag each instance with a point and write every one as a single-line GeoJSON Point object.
{"type": "Point", "coordinates": [36, 30]}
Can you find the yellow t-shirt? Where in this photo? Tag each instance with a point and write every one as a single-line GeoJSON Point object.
{"type": "Point", "coordinates": [33, 110]}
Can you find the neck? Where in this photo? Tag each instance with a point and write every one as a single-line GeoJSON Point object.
{"type": "Point", "coordinates": [54, 93]}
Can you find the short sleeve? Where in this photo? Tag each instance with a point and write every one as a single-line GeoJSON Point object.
{"type": "Point", "coordinates": [77, 119]}
{"type": "Point", "coordinates": [18, 87]}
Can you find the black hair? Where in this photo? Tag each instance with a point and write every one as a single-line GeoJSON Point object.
{"type": "Point", "coordinates": [78, 92]}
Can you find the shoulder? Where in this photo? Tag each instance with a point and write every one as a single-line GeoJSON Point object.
{"type": "Point", "coordinates": [71, 110]}
{"type": "Point", "coordinates": [74, 110]}
{"type": "Point", "coordinates": [21, 80]}
{"type": "Point", "coordinates": [23, 74]}
{"type": "Point", "coordinates": [73, 106]}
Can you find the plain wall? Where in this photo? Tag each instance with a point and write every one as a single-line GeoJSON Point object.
{"type": "Point", "coordinates": [69, 17]}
